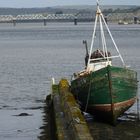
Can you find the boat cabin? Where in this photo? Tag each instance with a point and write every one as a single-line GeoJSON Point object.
{"type": "Point", "coordinates": [99, 60]}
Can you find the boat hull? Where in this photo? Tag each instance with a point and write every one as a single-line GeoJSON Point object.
{"type": "Point", "coordinates": [106, 93]}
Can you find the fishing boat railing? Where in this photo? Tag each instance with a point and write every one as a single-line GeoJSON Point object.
{"type": "Point", "coordinates": [104, 58]}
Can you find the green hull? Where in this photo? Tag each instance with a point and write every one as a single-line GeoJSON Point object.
{"type": "Point", "coordinates": [111, 91]}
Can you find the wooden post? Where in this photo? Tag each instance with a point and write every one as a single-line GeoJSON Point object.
{"type": "Point", "coordinates": [75, 21]}
{"type": "Point", "coordinates": [135, 20]}
{"type": "Point", "coordinates": [138, 114]}
{"type": "Point", "coordinates": [45, 23]}
{"type": "Point", "coordinates": [14, 21]}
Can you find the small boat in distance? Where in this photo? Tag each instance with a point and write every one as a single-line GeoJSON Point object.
{"type": "Point", "coordinates": [123, 22]}
{"type": "Point", "coordinates": [104, 90]}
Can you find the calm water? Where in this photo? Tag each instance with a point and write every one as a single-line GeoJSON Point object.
{"type": "Point", "coordinates": [31, 54]}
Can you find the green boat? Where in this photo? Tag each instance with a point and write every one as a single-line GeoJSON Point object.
{"type": "Point", "coordinates": [103, 89]}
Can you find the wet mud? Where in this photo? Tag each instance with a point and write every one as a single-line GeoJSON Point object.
{"type": "Point", "coordinates": [128, 128]}
{"type": "Point", "coordinates": [124, 130]}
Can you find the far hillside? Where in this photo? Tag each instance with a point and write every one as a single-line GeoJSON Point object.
{"type": "Point", "coordinates": [68, 9]}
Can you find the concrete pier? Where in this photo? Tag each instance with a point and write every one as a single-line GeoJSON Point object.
{"type": "Point", "coordinates": [69, 121]}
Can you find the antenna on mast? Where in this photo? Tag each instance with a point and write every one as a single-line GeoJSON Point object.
{"type": "Point", "coordinates": [97, 4]}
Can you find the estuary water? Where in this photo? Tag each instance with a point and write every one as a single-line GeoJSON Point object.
{"type": "Point", "coordinates": [31, 54]}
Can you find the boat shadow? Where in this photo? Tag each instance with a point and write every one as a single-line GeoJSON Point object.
{"type": "Point", "coordinates": [128, 127]}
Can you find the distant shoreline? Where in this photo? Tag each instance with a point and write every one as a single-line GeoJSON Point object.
{"type": "Point", "coordinates": [64, 9]}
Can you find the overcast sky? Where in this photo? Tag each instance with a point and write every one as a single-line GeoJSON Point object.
{"type": "Point", "coordinates": [49, 3]}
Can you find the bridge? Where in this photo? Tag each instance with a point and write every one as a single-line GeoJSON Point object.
{"type": "Point", "coordinates": [45, 17]}
{"type": "Point", "coordinates": [64, 17]}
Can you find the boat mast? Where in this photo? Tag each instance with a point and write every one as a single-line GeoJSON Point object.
{"type": "Point", "coordinates": [100, 17]}
{"type": "Point", "coordinates": [93, 36]}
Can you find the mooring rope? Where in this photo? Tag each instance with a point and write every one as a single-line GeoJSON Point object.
{"type": "Point", "coordinates": [87, 102]}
